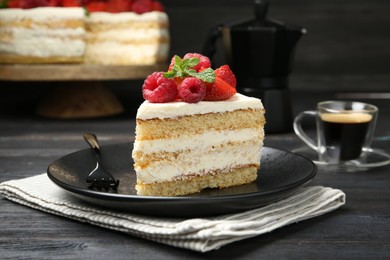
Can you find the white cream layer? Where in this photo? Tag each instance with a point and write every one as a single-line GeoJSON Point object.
{"type": "Point", "coordinates": [199, 162]}
{"type": "Point", "coordinates": [131, 34]}
{"type": "Point", "coordinates": [133, 45]}
{"type": "Point", "coordinates": [42, 13]}
{"type": "Point", "coordinates": [114, 53]}
{"type": "Point", "coordinates": [45, 42]}
{"type": "Point", "coordinates": [149, 110]}
{"type": "Point", "coordinates": [208, 139]}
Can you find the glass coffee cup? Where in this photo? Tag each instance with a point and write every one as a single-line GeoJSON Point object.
{"type": "Point", "coordinates": [345, 130]}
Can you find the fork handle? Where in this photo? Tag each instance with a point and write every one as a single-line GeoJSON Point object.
{"type": "Point", "coordinates": [92, 141]}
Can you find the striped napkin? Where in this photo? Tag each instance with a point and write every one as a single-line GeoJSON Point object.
{"type": "Point", "coordinates": [198, 234]}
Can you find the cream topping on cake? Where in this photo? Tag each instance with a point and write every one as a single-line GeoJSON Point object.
{"type": "Point", "coordinates": [31, 33]}
{"type": "Point", "coordinates": [42, 13]}
{"type": "Point", "coordinates": [149, 110]}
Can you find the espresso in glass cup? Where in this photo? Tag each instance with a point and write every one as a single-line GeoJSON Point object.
{"type": "Point", "coordinates": [345, 130]}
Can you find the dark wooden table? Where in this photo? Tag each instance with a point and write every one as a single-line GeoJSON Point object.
{"type": "Point", "coordinates": [359, 230]}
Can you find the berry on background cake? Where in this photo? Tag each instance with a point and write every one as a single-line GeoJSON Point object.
{"type": "Point", "coordinates": [194, 131]}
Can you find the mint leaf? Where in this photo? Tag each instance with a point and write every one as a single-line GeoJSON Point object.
{"type": "Point", "coordinates": [169, 74]}
{"type": "Point", "coordinates": [192, 72]}
{"type": "Point", "coordinates": [190, 62]}
{"type": "Point", "coordinates": [207, 75]}
{"type": "Point", "coordinates": [181, 74]}
{"type": "Point", "coordinates": [184, 67]}
{"type": "Point", "coordinates": [3, 4]}
{"type": "Point", "coordinates": [178, 67]}
{"type": "Point", "coordinates": [178, 61]}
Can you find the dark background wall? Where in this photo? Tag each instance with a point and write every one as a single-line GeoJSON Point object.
{"type": "Point", "coordinates": [347, 46]}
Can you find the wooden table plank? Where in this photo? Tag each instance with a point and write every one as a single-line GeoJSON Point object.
{"type": "Point", "coordinates": [358, 230]}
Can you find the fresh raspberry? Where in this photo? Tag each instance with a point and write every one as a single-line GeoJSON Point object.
{"type": "Point", "coordinates": [192, 90]}
{"type": "Point", "coordinates": [85, 2]}
{"type": "Point", "coordinates": [225, 73]}
{"type": "Point", "coordinates": [204, 62]}
{"type": "Point", "coordinates": [13, 4]}
{"type": "Point", "coordinates": [54, 3]}
{"type": "Point", "coordinates": [118, 6]}
{"type": "Point", "coordinates": [157, 6]}
{"type": "Point", "coordinates": [27, 4]}
{"type": "Point", "coordinates": [157, 89]}
{"type": "Point", "coordinates": [141, 6]}
{"type": "Point", "coordinates": [70, 3]}
{"type": "Point", "coordinates": [178, 80]}
{"type": "Point", "coordinates": [98, 6]}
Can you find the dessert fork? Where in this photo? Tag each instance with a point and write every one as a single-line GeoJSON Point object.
{"type": "Point", "coordinates": [99, 177]}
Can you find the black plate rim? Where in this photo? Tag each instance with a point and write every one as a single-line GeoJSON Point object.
{"type": "Point", "coordinates": [189, 198]}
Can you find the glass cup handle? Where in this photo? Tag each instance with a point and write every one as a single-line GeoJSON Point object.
{"type": "Point", "coordinates": [299, 131]}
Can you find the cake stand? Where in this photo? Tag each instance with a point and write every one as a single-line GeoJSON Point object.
{"type": "Point", "coordinates": [78, 91]}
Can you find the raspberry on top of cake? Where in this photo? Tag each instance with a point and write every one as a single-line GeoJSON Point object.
{"type": "Point", "coordinates": [194, 131]}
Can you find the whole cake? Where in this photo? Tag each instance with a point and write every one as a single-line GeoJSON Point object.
{"type": "Point", "coordinates": [109, 32]}
{"type": "Point", "coordinates": [127, 38]}
{"type": "Point", "coordinates": [194, 131]}
{"type": "Point", "coordinates": [42, 35]}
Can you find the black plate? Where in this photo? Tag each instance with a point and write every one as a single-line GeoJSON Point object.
{"type": "Point", "coordinates": [280, 175]}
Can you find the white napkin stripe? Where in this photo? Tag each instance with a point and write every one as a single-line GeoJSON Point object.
{"type": "Point", "coordinates": [200, 234]}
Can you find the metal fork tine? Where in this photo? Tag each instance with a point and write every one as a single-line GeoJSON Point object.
{"type": "Point", "coordinates": [99, 177]}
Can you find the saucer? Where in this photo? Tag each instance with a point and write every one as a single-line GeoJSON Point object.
{"type": "Point", "coordinates": [370, 158]}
